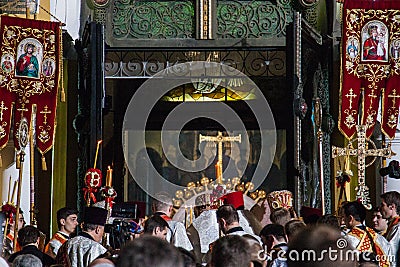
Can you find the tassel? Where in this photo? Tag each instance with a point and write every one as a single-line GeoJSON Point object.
{"type": "Point", "coordinates": [1, 161]}
{"type": "Point", "coordinates": [18, 161]}
{"type": "Point", "coordinates": [44, 165]}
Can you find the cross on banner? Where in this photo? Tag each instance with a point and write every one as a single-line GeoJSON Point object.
{"type": "Point", "coordinates": [361, 152]}
{"type": "Point", "coordinates": [220, 139]}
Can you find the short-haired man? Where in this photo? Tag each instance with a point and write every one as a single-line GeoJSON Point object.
{"type": "Point", "coordinates": [28, 238]}
{"type": "Point", "coordinates": [274, 239]}
{"type": "Point", "coordinates": [231, 251]}
{"type": "Point", "coordinates": [228, 220]}
{"type": "Point", "coordinates": [162, 206]}
{"type": "Point", "coordinates": [149, 251]}
{"type": "Point", "coordinates": [81, 250]}
{"type": "Point", "coordinates": [380, 224]}
{"type": "Point", "coordinates": [280, 216]}
{"type": "Point", "coordinates": [318, 239]}
{"type": "Point", "coordinates": [156, 226]}
{"type": "Point", "coordinates": [67, 221]}
{"type": "Point", "coordinates": [390, 209]}
{"type": "Point", "coordinates": [364, 238]}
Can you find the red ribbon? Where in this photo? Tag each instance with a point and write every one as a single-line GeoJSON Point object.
{"type": "Point", "coordinates": [89, 192]}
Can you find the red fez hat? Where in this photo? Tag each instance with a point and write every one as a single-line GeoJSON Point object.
{"type": "Point", "coordinates": [95, 215]}
{"type": "Point", "coordinates": [310, 214]}
{"type": "Point", "coordinates": [235, 199]}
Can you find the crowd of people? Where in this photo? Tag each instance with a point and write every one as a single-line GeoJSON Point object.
{"type": "Point", "coordinates": [227, 236]}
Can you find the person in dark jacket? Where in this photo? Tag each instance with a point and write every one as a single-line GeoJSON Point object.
{"type": "Point", "coordinates": [28, 238]}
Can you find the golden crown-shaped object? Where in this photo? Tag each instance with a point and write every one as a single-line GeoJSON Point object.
{"type": "Point", "coordinates": [280, 199]}
{"type": "Point", "coordinates": [194, 189]}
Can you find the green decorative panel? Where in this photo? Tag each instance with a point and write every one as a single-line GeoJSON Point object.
{"type": "Point", "coordinates": [153, 19]}
{"type": "Point", "coordinates": [253, 19]}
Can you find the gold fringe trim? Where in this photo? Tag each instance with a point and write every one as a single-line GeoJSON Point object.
{"type": "Point", "coordinates": [61, 68]}
{"type": "Point", "coordinates": [1, 161]}
{"type": "Point", "coordinates": [44, 165]}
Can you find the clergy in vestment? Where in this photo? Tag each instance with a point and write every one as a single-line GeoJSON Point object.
{"type": "Point", "coordinates": [67, 220]}
{"type": "Point", "coordinates": [390, 209]}
{"type": "Point", "coordinates": [363, 238]}
{"type": "Point", "coordinates": [81, 250]}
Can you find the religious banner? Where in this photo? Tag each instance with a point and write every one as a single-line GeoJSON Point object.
{"type": "Point", "coordinates": [370, 65]}
{"type": "Point", "coordinates": [29, 76]}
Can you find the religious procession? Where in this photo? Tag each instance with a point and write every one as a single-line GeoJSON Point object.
{"type": "Point", "coordinates": [187, 133]}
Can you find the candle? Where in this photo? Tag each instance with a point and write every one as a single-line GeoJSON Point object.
{"type": "Point", "coordinates": [13, 192]}
{"type": "Point", "coordinates": [9, 190]}
{"type": "Point", "coordinates": [97, 153]}
{"type": "Point", "coordinates": [109, 177]}
{"type": "Point", "coordinates": [191, 215]}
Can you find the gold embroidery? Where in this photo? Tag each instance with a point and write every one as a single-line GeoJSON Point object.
{"type": "Point", "coordinates": [2, 108]}
{"type": "Point", "coordinates": [44, 133]}
{"type": "Point", "coordinates": [12, 37]}
{"type": "Point", "coordinates": [350, 121]}
{"type": "Point", "coordinates": [2, 130]}
{"type": "Point", "coordinates": [45, 111]}
{"type": "Point", "coordinates": [351, 96]}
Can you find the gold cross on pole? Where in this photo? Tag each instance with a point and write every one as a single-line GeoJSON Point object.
{"type": "Point", "coordinates": [45, 111]}
{"type": "Point", "coordinates": [393, 95]}
{"type": "Point", "coordinates": [362, 152]}
{"type": "Point", "coordinates": [2, 108]}
{"type": "Point", "coordinates": [351, 96]}
{"type": "Point", "coordinates": [220, 139]}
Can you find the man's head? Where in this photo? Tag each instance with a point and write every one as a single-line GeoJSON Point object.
{"type": "Point", "coordinates": [293, 227]}
{"type": "Point", "coordinates": [21, 221]}
{"type": "Point", "coordinates": [156, 226]}
{"type": "Point", "coordinates": [379, 223]}
{"type": "Point", "coordinates": [27, 260]}
{"type": "Point", "coordinates": [149, 251]}
{"type": "Point", "coordinates": [162, 202]}
{"type": "Point", "coordinates": [280, 216]}
{"type": "Point", "coordinates": [94, 221]}
{"type": "Point", "coordinates": [272, 234]}
{"type": "Point", "coordinates": [227, 217]}
{"type": "Point", "coordinates": [390, 206]}
{"type": "Point", "coordinates": [318, 239]}
{"type": "Point", "coordinates": [67, 220]}
{"type": "Point", "coordinates": [28, 235]}
{"type": "Point", "coordinates": [354, 213]}
{"type": "Point", "coordinates": [231, 251]}
{"type": "Point", "coordinates": [30, 48]}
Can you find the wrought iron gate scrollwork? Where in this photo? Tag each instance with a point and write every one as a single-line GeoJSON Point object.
{"type": "Point", "coordinates": [153, 19]}
{"type": "Point", "coordinates": [253, 19]}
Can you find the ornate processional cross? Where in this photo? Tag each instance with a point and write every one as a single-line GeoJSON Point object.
{"type": "Point", "coordinates": [361, 152]}
{"type": "Point", "coordinates": [220, 139]}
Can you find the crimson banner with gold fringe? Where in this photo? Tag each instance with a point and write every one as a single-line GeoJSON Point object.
{"type": "Point", "coordinates": [29, 77]}
{"type": "Point", "coordinates": [370, 65]}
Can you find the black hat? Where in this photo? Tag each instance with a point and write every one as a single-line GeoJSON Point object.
{"type": "Point", "coordinates": [95, 215]}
